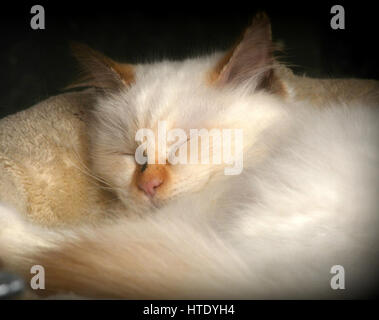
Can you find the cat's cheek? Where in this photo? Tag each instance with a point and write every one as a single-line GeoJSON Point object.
{"type": "Point", "coordinates": [125, 172]}
{"type": "Point", "coordinates": [116, 170]}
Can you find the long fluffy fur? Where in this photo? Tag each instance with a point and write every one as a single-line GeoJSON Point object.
{"type": "Point", "coordinates": [273, 232]}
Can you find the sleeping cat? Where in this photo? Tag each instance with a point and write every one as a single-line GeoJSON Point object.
{"type": "Point", "coordinates": [44, 150]}
{"type": "Point", "coordinates": [305, 201]}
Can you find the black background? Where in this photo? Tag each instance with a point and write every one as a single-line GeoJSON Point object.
{"type": "Point", "coordinates": [35, 64]}
{"type": "Point", "coordinates": [46, 309]}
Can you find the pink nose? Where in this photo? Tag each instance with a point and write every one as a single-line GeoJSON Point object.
{"type": "Point", "coordinates": [150, 186]}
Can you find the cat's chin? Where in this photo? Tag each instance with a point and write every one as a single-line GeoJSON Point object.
{"type": "Point", "coordinates": [153, 203]}
{"type": "Point", "coordinates": [138, 202]}
{"type": "Point", "coordinates": [143, 204]}
{"type": "Point", "coordinates": [157, 203]}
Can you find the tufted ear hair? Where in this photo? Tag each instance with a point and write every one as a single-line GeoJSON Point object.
{"type": "Point", "coordinates": [251, 60]}
{"type": "Point", "coordinates": [100, 71]}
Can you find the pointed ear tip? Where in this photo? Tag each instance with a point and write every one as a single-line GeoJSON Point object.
{"type": "Point", "coordinates": [77, 47]}
{"type": "Point", "coordinates": [83, 52]}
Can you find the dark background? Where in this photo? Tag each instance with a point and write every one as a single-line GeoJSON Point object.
{"type": "Point", "coordinates": [35, 64]}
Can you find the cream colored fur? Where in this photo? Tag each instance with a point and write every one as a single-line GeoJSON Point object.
{"type": "Point", "coordinates": [274, 231]}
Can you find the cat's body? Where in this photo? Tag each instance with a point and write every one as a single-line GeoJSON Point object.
{"type": "Point", "coordinates": [304, 202]}
{"type": "Point", "coordinates": [275, 231]}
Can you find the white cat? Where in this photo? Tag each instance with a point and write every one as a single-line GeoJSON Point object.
{"type": "Point", "coordinates": [305, 201]}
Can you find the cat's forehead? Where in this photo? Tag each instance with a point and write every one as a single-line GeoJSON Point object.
{"type": "Point", "coordinates": [170, 77]}
{"type": "Point", "coordinates": [167, 89]}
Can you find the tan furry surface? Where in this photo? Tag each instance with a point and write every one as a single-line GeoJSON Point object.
{"type": "Point", "coordinates": [44, 163]}
{"type": "Point", "coordinates": [322, 92]}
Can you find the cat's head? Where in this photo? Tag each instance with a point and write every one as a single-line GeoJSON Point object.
{"type": "Point", "coordinates": [221, 91]}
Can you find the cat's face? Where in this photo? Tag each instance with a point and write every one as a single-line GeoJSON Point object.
{"type": "Point", "coordinates": [205, 93]}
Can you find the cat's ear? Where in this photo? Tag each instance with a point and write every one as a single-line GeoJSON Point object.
{"type": "Point", "coordinates": [251, 60]}
{"type": "Point", "coordinates": [100, 71]}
